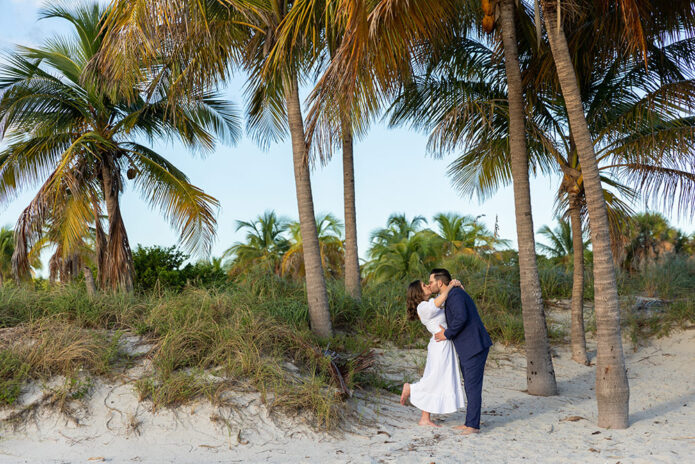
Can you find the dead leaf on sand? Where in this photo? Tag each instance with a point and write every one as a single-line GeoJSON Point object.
{"type": "Point", "coordinates": [572, 419]}
{"type": "Point", "coordinates": [97, 458]}
{"type": "Point", "coordinates": [594, 450]}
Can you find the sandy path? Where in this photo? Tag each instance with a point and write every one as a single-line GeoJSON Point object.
{"type": "Point", "coordinates": [517, 427]}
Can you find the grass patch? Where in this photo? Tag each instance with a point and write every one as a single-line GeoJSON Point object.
{"type": "Point", "coordinates": [50, 347]}
{"type": "Point", "coordinates": [640, 325]}
{"type": "Point", "coordinates": [13, 373]}
{"type": "Point", "coordinates": [175, 389]}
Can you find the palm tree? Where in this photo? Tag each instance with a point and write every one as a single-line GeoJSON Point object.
{"type": "Point", "coordinates": [464, 234]}
{"type": "Point", "coordinates": [403, 249]}
{"type": "Point", "coordinates": [561, 241]}
{"type": "Point", "coordinates": [646, 21]}
{"type": "Point", "coordinates": [265, 243]}
{"type": "Point", "coordinates": [332, 253]}
{"type": "Point", "coordinates": [6, 251]}
{"type": "Point", "coordinates": [64, 126]}
{"type": "Point", "coordinates": [647, 237]}
{"type": "Point", "coordinates": [539, 370]}
{"type": "Point", "coordinates": [567, 242]}
{"type": "Point", "coordinates": [398, 227]}
{"type": "Point", "coordinates": [407, 258]}
{"type": "Point", "coordinates": [490, 109]}
{"type": "Point", "coordinates": [213, 38]}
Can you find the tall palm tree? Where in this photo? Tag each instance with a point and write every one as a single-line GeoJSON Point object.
{"type": "Point", "coordinates": [491, 108]}
{"type": "Point", "coordinates": [353, 281]}
{"type": "Point", "coordinates": [638, 21]}
{"type": "Point", "coordinates": [264, 244]}
{"type": "Point", "coordinates": [539, 370]}
{"type": "Point", "coordinates": [63, 125]}
{"type": "Point", "coordinates": [213, 38]}
{"type": "Point", "coordinates": [332, 254]}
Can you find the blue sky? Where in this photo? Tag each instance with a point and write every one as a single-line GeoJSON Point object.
{"type": "Point", "coordinates": [393, 173]}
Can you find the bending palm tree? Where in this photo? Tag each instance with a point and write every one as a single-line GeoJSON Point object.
{"type": "Point", "coordinates": [63, 125]}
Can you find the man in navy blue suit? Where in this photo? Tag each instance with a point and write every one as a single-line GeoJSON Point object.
{"type": "Point", "coordinates": [471, 340]}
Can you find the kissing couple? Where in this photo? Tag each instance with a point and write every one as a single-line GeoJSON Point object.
{"type": "Point", "coordinates": [457, 350]}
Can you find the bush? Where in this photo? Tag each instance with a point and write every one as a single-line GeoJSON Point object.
{"type": "Point", "coordinates": [161, 267]}
{"type": "Point", "coordinates": [669, 277]}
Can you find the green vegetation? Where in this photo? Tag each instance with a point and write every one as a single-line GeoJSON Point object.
{"type": "Point", "coordinates": [214, 328]}
{"type": "Point", "coordinates": [612, 117]}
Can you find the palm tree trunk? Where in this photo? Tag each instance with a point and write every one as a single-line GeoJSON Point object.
{"type": "Point", "coordinates": [100, 246]}
{"type": "Point", "coordinates": [89, 281]}
{"type": "Point", "coordinates": [577, 336]}
{"type": "Point", "coordinates": [119, 262]}
{"type": "Point", "coordinates": [612, 389]}
{"type": "Point", "coordinates": [319, 312]}
{"type": "Point", "coordinates": [54, 266]}
{"type": "Point", "coordinates": [540, 374]}
{"type": "Point", "coordinates": [352, 264]}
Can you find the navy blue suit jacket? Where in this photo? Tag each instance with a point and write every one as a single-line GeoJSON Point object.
{"type": "Point", "coordinates": [465, 329]}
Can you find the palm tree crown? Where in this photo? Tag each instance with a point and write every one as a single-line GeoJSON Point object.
{"type": "Point", "coordinates": [65, 129]}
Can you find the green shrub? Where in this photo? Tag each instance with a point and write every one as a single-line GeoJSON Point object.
{"type": "Point", "coordinates": [159, 267]}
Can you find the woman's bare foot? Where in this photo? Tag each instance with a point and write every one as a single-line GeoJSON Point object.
{"type": "Point", "coordinates": [428, 422]}
{"type": "Point", "coordinates": [405, 394]}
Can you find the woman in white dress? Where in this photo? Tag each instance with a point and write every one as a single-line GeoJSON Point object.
{"type": "Point", "coordinates": [439, 390]}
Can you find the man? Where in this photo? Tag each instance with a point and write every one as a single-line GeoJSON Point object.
{"type": "Point", "coordinates": [471, 341]}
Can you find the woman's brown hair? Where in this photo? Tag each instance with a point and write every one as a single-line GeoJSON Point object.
{"type": "Point", "coordinates": [415, 296]}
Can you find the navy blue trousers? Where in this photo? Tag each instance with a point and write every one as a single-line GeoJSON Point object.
{"type": "Point", "coordinates": [472, 370]}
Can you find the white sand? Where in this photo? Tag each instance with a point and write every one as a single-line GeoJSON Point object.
{"type": "Point", "coordinates": [516, 427]}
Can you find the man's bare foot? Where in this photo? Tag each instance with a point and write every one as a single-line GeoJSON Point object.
{"type": "Point", "coordinates": [465, 430]}
{"type": "Point", "coordinates": [428, 422]}
{"type": "Point", "coordinates": [405, 394]}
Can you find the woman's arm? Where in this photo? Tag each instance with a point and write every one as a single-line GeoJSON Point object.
{"type": "Point", "coordinates": [439, 301]}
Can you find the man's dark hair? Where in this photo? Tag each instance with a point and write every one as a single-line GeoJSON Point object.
{"type": "Point", "coordinates": [441, 275]}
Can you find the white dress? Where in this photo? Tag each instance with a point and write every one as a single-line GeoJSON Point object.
{"type": "Point", "coordinates": [439, 390]}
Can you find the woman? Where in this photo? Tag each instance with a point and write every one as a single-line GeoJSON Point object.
{"type": "Point", "coordinates": [439, 390]}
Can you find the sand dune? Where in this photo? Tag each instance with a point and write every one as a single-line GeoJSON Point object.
{"type": "Point", "coordinates": [115, 427]}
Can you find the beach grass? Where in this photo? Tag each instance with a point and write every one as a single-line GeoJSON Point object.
{"type": "Point", "coordinates": [254, 334]}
